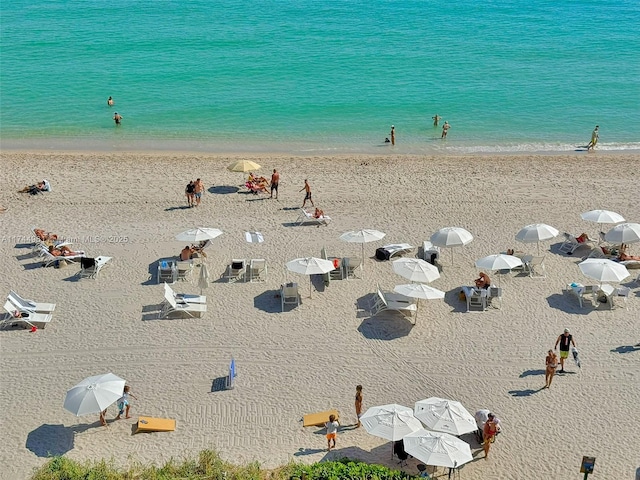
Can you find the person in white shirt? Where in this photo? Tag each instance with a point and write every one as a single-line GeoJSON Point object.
{"type": "Point", "coordinates": [332, 431]}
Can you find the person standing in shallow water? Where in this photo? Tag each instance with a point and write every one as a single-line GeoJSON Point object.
{"type": "Point", "coordinates": [445, 129]}
{"type": "Point", "coordinates": [110, 102]}
{"type": "Point", "coordinates": [436, 119]}
{"type": "Point", "coordinates": [117, 118]}
{"type": "Point", "coordinates": [393, 135]}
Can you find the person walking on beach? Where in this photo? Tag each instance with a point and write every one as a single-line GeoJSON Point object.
{"type": "Point", "coordinates": [551, 363]}
{"type": "Point", "coordinates": [393, 135]}
{"type": "Point", "coordinates": [198, 190]}
{"type": "Point", "coordinates": [595, 135]}
{"type": "Point", "coordinates": [117, 118]}
{"type": "Point", "coordinates": [358, 404]}
{"type": "Point", "coordinates": [190, 191]}
{"type": "Point", "coordinates": [445, 129]}
{"type": "Point", "coordinates": [103, 417]}
{"type": "Point", "coordinates": [565, 340]}
{"type": "Point", "coordinates": [332, 431]}
{"type": "Point", "coordinates": [307, 196]}
{"type": "Point", "coordinates": [436, 119]}
{"type": "Point", "coordinates": [490, 430]}
{"type": "Point", "coordinates": [275, 180]}
{"type": "Point", "coordinates": [110, 102]}
{"type": "Point", "coordinates": [123, 403]}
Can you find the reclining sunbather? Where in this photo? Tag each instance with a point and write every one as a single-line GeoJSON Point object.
{"type": "Point", "coordinates": [623, 256]}
{"type": "Point", "coordinates": [582, 238]}
{"type": "Point", "coordinates": [35, 189]}
{"type": "Point", "coordinates": [318, 213]}
{"type": "Point", "coordinates": [483, 281]}
{"type": "Point", "coordinates": [44, 236]}
{"type": "Point", "coordinates": [63, 251]}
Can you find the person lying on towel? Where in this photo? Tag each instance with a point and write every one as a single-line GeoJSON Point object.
{"type": "Point", "coordinates": [63, 251]}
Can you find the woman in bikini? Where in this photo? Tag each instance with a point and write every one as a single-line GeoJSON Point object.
{"type": "Point", "coordinates": [358, 404]}
{"type": "Point", "coordinates": [490, 432]}
{"type": "Point", "coordinates": [552, 363]}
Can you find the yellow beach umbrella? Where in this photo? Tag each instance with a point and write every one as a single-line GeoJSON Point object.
{"type": "Point", "coordinates": [243, 166]}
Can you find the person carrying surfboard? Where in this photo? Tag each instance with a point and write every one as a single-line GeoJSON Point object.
{"type": "Point", "coordinates": [594, 139]}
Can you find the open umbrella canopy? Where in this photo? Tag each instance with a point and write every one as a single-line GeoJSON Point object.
{"type": "Point", "coordinates": [310, 266]}
{"type": "Point", "coordinates": [416, 270]}
{"type": "Point", "coordinates": [451, 237]}
{"type": "Point", "coordinates": [198, 234]}
{"type": "Point", "coordinates": [603, 270]}
{"type": "Point", "coordinates": [94, 394]}
{"type": "Point", "coordinates": [419, 290]}
{"type": "Point", "coordinates": [624, 233]}
{"type": "Point", "coordinates": [498, 262]}
{"type": "Point", "coordinates": [536, 233]}
{"type": "Point", "coordinates": [243, 166]}
{"type": "Point", "coordinates": [362, 236]}
{"type": "Point", "coordinates": [391, 422]}
{"type": "Point", "coordinates": [437, 449]}
{"type": "Point", "coordinates": [602, 216]}
{"type": "Point", "coordinates": [445, 415]}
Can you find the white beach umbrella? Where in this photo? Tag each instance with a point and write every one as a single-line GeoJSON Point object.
{"type": "Point", "coordinates": [445, 415]}
{"type": "Point", "coordinates": [362, 237]}
{"type": "Point", "coordinates": [450, 237]}
{"type": "Point", "coordinates": [603, 270]}
{"type": "Point", "coordinates": [416, 270]}
{"type": "Point", "coordinates": [391, 422]}
{"type": "Point", "coordinates": [624, 233]}
{"type": "Point", "coordinates": [602, 216]}
{"type": "Point", "coordinates": [94, 394]}
{"type": "Point", "coordinates": [310, 266]}
{"type": "Point", "coordinates": [536, 233]}
{"type": "Point", "coordinates": [437, 449]}
{"type": "Point", "coordinates": [419, 291]}
{"type": "Point", "coordinates": [198, 234]}
{"type": "Point", "coordinates": [498, 262]}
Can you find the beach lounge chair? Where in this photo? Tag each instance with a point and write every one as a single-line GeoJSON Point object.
{"type": "Point", "coordinates": [257, 270]}
{"type": "Point", "coordinates": [184, 297]}
{"type": "Point", "coordinates": [90, 267]}
{"type": "Point", "coordinates": [184, 269]}
{"type": "Point", "coordinates": [389, 251]}
{"type": "Point", "coordinates": [306, 217]}
{"type": "Point", "coordinates": [172, 307]}
{"type": "Point", "coordinates": [430, 252]}
{"type": "Point", "coordinates": [622, 293]}
{"type": "Point", "coordinates": [571, 244]}
{"type": "Point", "coordinates": [48, 259]}
{"type": "Point", "coordinates": [394, 302]}
{"type": "Point", "coordinates": [351, 267]}
{"type": "Point", "coordinates": [535, 266]}
{"type": "Point", "coordinates": [24, 304]}
{"type": "Point", "coordinates": [236, 271]}
{"type": "Point", "coordinates": [26, 318]}
{"type": "Point", "coordinates": [167, 271]}
{"type": "Point", "coordinates": [318, 419]}
{"type": "Point", "coordinates": [151, 424]}
{"type": "Point", "coordinates": [494, 296]}
{"type": "Point", "coordinates": [38, 244]}
{"type": "Point", "coordinates": [289, 295]}
{"type": "Point", "coordinates": [581, 292]}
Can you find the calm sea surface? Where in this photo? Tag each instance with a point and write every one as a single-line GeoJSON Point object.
{"type": "Point", "coordinates": [320, 76]}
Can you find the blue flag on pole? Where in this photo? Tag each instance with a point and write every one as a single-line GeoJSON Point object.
{"type": "Point", "coordinates": [232, 368]}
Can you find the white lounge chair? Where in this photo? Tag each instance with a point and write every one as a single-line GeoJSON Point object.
{"type": "Point", "coordinates": [24, 304]}
{"type": "Point", "coordinates": [172, 307]}
{"type": "Point", "coordinates": [49, 259]}
{"type": "Point", "coordinates": [622, 293]}
{"type": "Point", "coordinates": [395, 302]}
{"type": "Point", "coordinates": [351, 267]}
{"type": "Point", "coordinates": [184, 270]}
{"type": "Point", "coordinates": [430, 252]}
{"type": "Point", "coordinates": [289, 295]}
{"type": "Point", "coordinates": [25, 317]}
{"type": "Point", "coordinates": [167, 271]}
{"type": "Point", "coordinates": [477, 298]}
{"type": "Point", "coordinates": [494, 294]}
{"type": "Point", "coordinates": [389, 251]}
{"type": "Point", "coordinates": [306, 217]}
{"type": "Point", "coordinates": [90, 267]}
{"type": "Point", "coordinates": [535, 267]}
{"type": "Point", "coordinates": [184, 297]}
{"type": "Point", "coordinates": [571, 244]}
{"type": "Point", "coordinates": [581, 291]}
{"type": "Point", "coordinates": [237, 270]}
{"type": "Point", "coordinates": [257, 270]}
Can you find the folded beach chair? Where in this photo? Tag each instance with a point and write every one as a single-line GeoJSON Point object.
{"type": "Point", "coordinates": [535, 267]}
{"type": "Point", "coordinates": [306, 217]}
{"type": "Point", "coordinates": [257, 270]}
{"type": "Point", "coordinates": [351, 266]}
{"type": "Point", "coordinates": [289, 295]}
{"type": "Point", "coordinates": [236, 271]}
{"type": "Point", "coordinates": [167, 271]}
{"type": "Point", "coordinates": [26, 318]}
{"type": "Point", "coordinates": [184, 297]}
{"type": "Point", "coordinates": [48, 259]}
{"type": "Point", "coordinates": [24, 304]}
{"type": "Point", "coordinates": [389, 251]}
{"type": "Point", "coordinates": [394, 302]}
{"type": "Point", "coordinates": [184, 269]}
{"type": "Point", "coordinates": [151, 424]}
{"type": "Point", "coordinates": [430, 252]}
{"type": "Point", "coordinates": [172, 307]}
{"type": "Point", "coordinates": [90, 267]}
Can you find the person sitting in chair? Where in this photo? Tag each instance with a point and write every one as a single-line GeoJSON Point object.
{"type": "Point", "coordinates": [318, 213]}
{"type": "Point", "coordinates": [483, 281]}
{"type": "Point", "coordinates": [583, 238]}
{"type": "Point", "coordinates": [199, 249]}
{"type": "Point", "coordinates": [62, 251]}
{"type": "Point", "coordinates": [186, 253]}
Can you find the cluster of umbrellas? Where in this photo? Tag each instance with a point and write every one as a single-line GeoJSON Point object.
{"type": "Point", "coordinates": [436, 445]}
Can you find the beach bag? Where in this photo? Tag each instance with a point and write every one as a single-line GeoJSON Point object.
{"type": "Point", "coordinates": [382, 254]}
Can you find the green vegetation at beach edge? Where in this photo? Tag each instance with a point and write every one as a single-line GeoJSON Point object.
{"type": "Point", "coordinates": [209, 466]}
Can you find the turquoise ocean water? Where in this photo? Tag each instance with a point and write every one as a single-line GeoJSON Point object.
{"type": "Point", "coordinates": [320, 76]}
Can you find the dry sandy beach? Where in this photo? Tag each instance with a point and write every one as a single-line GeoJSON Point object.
{"type": "Point", "coordinates": [310, 358]}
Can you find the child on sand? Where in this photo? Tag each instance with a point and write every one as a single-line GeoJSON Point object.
{"type": "Point", "coordinates": [123, 402]}
{"type": "Point", "coordinates": [332, 431]}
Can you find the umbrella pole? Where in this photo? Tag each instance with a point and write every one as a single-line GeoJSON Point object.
{"type": "Point", "coordinates": [363, 260]}
{"type": "Point", "coordinates": [452, 256]}
{"type": "Point", "coordinates": [309, 286]}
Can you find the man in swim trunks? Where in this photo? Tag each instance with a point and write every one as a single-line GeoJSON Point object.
{"type": "Point", "coordinates": [117, 118]}
{"type": "Point", "coordinates": [307, 189]}
{"type": "Point", "coordinates": [199, 188]}
{"type": "Point", "coordinates": [565, 340]}
{"type": "Point", "coordinates": [445, 129]}
{"type": "Point", "coordinates": [436, 119]}
{"type": "Point", "coordinates": [275, 179]}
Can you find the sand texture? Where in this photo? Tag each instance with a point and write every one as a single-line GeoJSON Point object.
{"type": "Point", "coordinates": [310, 358]}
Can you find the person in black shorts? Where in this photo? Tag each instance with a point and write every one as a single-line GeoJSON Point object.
{"type": "Point", "coordinates": [275, 179]}
{"type": "Point", "coordinates": [307, 189]}
{"type": "Point", "coordinates": [190, 192]}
